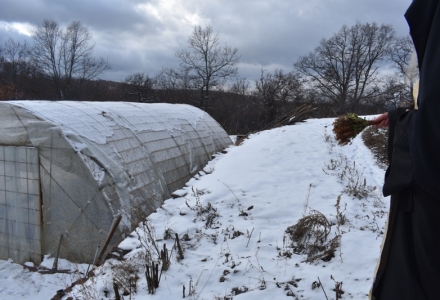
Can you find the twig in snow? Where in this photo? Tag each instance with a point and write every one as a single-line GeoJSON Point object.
{"type": "Point", "coordinates": [230, 190]}
{"type": "Point", "coordinates": [208, 279]}
{"type": "Point", "coordinates": [306, 203]}
{"type": "Point", "coordinates": [249, 237]}
{"type": "Point", "coordinates": [322, 288]}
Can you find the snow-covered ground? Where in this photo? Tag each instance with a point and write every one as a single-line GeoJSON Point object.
{"type": "Point", "coordinates": [232, 219]}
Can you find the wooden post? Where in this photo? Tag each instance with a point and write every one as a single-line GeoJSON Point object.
{"type": "Point", "coordinates": [55, 262]}
{"type": "Point", "coordinates": [178, 247]}
{"type": "Point", "coordinates": [109, 238]}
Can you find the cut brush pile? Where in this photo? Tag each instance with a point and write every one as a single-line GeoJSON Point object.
{"type": "Point", "coordinates": [348, 126]}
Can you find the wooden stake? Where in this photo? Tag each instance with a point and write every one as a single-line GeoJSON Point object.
{"type": "Point", "coordinates": [109, 238]}
{"type": "Point", "coordinates": [55, 262]}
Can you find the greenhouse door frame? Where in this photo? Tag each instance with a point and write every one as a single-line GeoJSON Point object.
{"type": "Point", "coordinates": [20, 205]}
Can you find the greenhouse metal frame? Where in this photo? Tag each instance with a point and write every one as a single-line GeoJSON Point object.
{"type": "Point", "coordinates": [69, 168]}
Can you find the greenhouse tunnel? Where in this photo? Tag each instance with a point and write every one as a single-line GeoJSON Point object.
{"type": "Point", "coordinates": [68, 169]}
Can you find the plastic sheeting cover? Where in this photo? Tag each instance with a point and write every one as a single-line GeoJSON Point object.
{"type": "Point", "coordinates": [101, 159]}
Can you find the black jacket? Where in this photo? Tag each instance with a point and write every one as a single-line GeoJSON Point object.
{"type": "Point", "coordinates": [423, 17]}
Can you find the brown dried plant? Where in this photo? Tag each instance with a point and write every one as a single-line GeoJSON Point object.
{"type": "Point", "coordinates": [309, 236]}
{"type": "Point", "coordinates": [347, 127]}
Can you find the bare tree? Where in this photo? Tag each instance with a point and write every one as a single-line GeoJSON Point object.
{"type": "Point", "coordinates": [15, 59]}
{"type": "Point", "coordinates": [278, 93]}
{"type": "Point", "coordinates": [14, 66]}
{"type": "Point", "coordinates": [170, 79]}
{"type": "Point", "coordinates": [240, 87]}
{"type": "Point", "coordinates": [404, 59]}
{"type": "Point", "coordinates": [208, 63]}
{"type": "Point", "coordinates": [344, 68]}
{"type": "Point", "coordinates": [140, 86]}
{"type": "Point", "coordinates": [394, 93]}
{"type": "Point", "coordinates": [65, 56]}
{"type": "Point", "coordinates": [167, 79]}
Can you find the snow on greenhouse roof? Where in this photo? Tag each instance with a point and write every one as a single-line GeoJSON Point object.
{"type": "Point", "coordinates": [95, 120]}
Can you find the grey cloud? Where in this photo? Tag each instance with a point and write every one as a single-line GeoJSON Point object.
{"type": "Point", "coordinates": [117, 15]}
{"type": "Point", "coordinates": [269, 34]}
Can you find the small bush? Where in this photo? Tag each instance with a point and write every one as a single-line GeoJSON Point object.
{"type": "Point", "coordinates": [309, 236]}
{"type": "Point", "coordinates": [348, 174]}
{"type": "Point", "coordinates": [125, 276]}
{"type": "Point", "coordinates": [207, 213]}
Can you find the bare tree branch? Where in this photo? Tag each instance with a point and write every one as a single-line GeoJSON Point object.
{"type": "Point", "coordinates": [344, 68]}
{"type": "Point", "coordinates": [209, 64]}
{"type": "Point", "coordinates": [65, 56]}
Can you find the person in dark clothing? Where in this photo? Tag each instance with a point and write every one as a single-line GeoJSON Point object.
{"type": "Point", "coordinates": [409, 265]}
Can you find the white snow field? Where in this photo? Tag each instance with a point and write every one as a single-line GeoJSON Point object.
{"type": "Point", "coordinates": [231, 220]}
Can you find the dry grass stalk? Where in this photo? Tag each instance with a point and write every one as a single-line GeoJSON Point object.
{"type": "Point", "coordinates": [125, 276]}
{"type": "Point", "coordinates": [306, 203]}
{"type": "Point", "coordinates": [348, 126]}
{"type": "Point", "coordinates": [179, 248]}
{"type": "Point", "coordinates": [340, 221]}
{"type": "Point", "coordinates": [153, 277]}
{"type": "Point", "coordinates": [165, 258]}
{"type": "Point", "coordinates": [299, 114]}
{"type": "Point", "coordinates": [338, 288]}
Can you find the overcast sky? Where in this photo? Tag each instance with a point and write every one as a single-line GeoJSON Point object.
{"type": "Point", "coordinates": [144, 35]}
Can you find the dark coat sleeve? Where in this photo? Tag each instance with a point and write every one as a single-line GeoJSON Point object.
{"type": "Point", "coordinates": [423, 17]}
{"type": "Point", "coordinates": [398, 175]}
{"type": "Point", "coordinates": [393, 116]}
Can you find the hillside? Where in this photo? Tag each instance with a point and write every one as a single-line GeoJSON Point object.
{"type": "Point", "coordinates": [232, 218]}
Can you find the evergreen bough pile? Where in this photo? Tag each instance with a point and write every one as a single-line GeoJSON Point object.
{"type": "Point", "coordinates": [347, 127]}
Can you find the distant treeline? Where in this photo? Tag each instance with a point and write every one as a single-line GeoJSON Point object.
{"type": "Point", "coordinates": [238, 114]}
{"type": "Point", "coordinates": [363, 69]}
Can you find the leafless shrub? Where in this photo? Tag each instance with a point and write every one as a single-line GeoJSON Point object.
{"type": "Point", "coordinates": [309, 236]}
{"type": "Point", "coordinates": [147, 237]}
{"type": "Point", "coordinates": [347, 172]}
{"type": "Point", "coordinates": [356, 183]}
{"type": "Point", "coordinates": [340, 216]}
{"type": "Point", "coordinates": [168, 233]}
{"type": "Point", "coordinates": [207, 213]}
{"type": "Point", "coordinates": [125, 276]}
{"type": "Point", "coordinates": [335, 164]}
{"type": "Point", "coordinates": [82, 287]}
{"type": "Point", "coordinates": [155, 260]}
